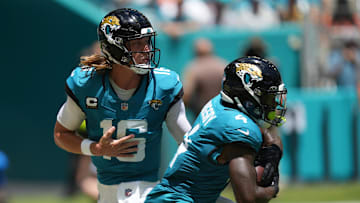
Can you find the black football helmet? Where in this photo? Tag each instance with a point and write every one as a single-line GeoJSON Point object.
{"type": "Point", "coordinates": [121, 26]}
{"type": "Point", "coordinates": [254, 86]}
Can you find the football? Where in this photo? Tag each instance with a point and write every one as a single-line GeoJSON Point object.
{"type": "Point", "coordinates": [259, 172]}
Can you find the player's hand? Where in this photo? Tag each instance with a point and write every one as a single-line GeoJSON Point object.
{"type": "Point", "coordinates": [107, 146]}
{"type": "Point", "coordinates": [270, 191]}
{"type": "Point", "coordinates": [269, 157]}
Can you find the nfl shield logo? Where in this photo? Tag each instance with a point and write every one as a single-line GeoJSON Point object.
{"type": "Point", "coordinates": [128, 192]}
{"type": "Point", "coordinates": [124, 106]}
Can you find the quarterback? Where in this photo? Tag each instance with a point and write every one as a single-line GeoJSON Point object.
{"type": "Point", "coordinates": [124, 98]}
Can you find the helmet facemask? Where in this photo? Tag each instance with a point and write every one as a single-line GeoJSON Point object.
{"type": "Point", "coordinates": [149, 58]}
{"type": "Point", "coordinates": [273, 105]}
{"type": "Point", "coordinates": [121, 53]}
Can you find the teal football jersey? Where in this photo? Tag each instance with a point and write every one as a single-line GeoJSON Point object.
{"type": "Point", "coordinates": [194, 175]}
{"type": "Point", "coordinates": [142, 115]}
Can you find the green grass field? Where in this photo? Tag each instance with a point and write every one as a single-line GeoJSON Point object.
{"type": "Point", "coordinates": [306, 193]}
{"type": "Point", "coordinates": [299, 193]}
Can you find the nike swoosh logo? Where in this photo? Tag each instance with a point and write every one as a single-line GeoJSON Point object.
{"type": "Point", "coordinates": [247, 133]}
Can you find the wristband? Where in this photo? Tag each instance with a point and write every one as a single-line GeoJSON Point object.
{"type": "Point", "coordinates": [85, 147]}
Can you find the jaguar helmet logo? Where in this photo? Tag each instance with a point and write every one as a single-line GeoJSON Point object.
{"type": "Point", "coordinates": [108, 25]}
{"type": "Point", "coordinates": [248, 73]}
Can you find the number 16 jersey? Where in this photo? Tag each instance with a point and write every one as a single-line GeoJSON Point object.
{"type": "Point", "coordinates": [143, 115]}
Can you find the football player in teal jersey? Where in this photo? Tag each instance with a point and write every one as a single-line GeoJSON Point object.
{"type": "Point", "coordinates": [226, 138]}
{"type": "Point", "coordinates": [124, 99]}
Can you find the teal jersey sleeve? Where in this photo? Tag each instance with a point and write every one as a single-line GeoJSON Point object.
{"type": "Point", "coordinates": [169, 82]}
{"type": "Point", "coordinates": [79, 80]}
{"type": "Point", "coordinates": [242, 129]}
{"type": "Point", "coordinates": [230, 125]}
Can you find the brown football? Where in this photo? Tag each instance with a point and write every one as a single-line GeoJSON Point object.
{"type": "Point", "coordinates": [259, 172]}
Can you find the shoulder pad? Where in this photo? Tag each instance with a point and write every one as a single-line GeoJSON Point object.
{"type": "Point", "coordinates": [166, 78]}
{"type": "Point", "coordinates": [81, 80]}
{"type": "Point", "coordinates": [81, 77]}
{"type": "Point", "coordinates": [241, 128]}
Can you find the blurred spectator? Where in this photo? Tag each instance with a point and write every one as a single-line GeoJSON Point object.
{"type": "Point", "coordinates": [203, 76]}
{"type": "Point", "coordinates": [186, 10]}
{"type": "Point", "coordinates": [4, 163]}
{"type": "Point", "coordinates": [254, 15]}
{"type": "Point", "coordinates": [181, 16]}
{"type": "Point", "coordinates": [344, 14]}
{"type": "Point", "coordinates": [256, 47]}
{"type": "Point", "coordinates": [340, 24]}
{"type": "Point", "coordinates": [344, 65]}
{"type": "Point", "coordinates": [340, 17]}
{"type": "Point", "coordinates": [326, 13]}
{"type": "Point", "coordinates": [218, 7]}
{"type": "Point", "coordinates": [86, 177]}
{"type": "Point", "coordinates": [292, 13]}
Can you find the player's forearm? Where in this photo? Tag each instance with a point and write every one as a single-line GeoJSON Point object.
{"type": "Point", "coordinates": [67, 140]}
{"type": "Point", "coordinates": [242, 175]}
{"type": "Point", "coordinates": [271, 136]}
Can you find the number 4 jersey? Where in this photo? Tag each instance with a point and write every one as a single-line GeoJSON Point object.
{"type": "Point", "coordinates": [142, 115]}
{"type": "Point", "coordinates": [194, 175]}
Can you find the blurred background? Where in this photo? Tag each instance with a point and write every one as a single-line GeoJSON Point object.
{"type": "Point", "coordinates": [315, 44]}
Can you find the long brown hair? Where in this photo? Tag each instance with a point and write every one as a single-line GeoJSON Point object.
{"type": "Point", "coordinates": [97, 61]}
{"type": "Point", "coordinates": [92, 57]}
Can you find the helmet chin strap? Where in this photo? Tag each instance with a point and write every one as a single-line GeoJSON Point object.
{"type": "Point", "coordinates": [226, 98]}
{"type": "Point", "coordinates": [140, 69]}
{"type": "Point", "coordinates": [263, 124]}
